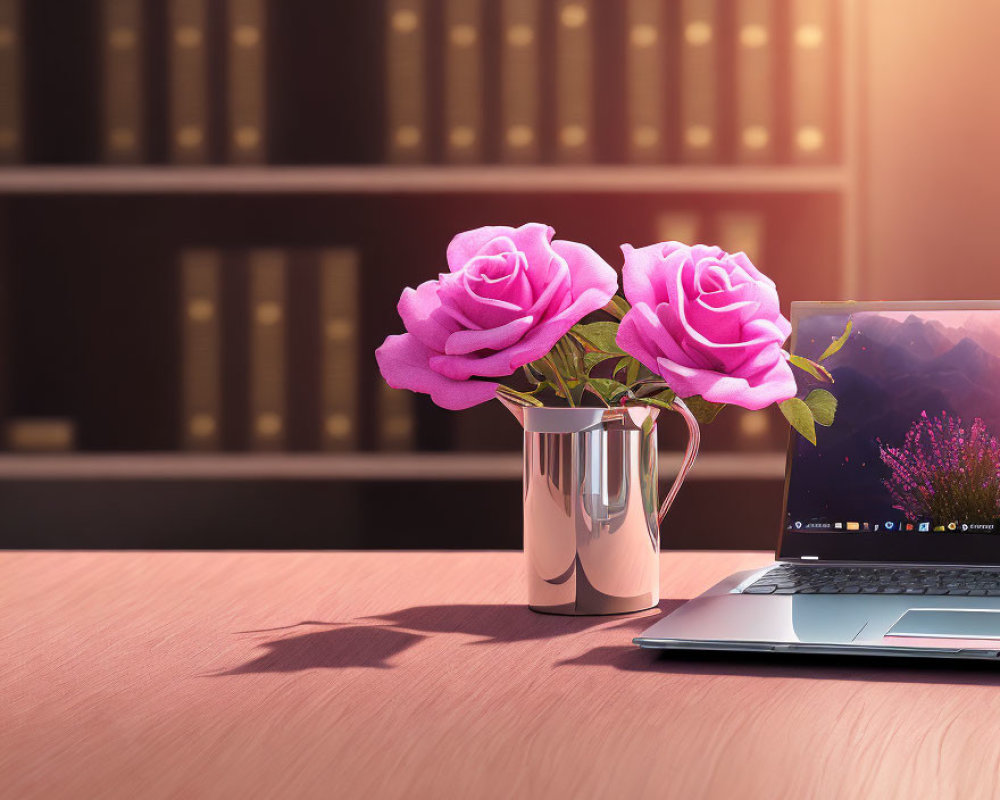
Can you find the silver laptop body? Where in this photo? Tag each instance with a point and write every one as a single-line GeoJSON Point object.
{"type": "Point", "coordinates": [909, 370]}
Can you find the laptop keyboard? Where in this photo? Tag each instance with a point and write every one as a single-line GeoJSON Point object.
{"type": "Point", "coordinates": [800, 579]}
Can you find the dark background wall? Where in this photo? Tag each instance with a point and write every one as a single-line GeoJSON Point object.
{"type": "Point", "coordinates": [899, 203]}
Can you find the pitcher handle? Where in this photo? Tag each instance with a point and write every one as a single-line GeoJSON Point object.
{"type": "Point", "coordinates": [694, 442]}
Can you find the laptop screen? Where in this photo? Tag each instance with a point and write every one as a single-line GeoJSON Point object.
{"type": "Point", "coordinates": [910, 469]}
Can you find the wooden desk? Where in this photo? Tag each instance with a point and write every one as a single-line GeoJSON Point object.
{"type": "Point", "coordinates": [373, 675]}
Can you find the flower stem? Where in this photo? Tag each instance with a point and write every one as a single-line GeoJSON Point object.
{"type": "Point", "coordinates": [562, 384]}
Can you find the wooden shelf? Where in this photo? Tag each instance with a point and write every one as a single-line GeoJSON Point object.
{"type": "Point", "coordinates": [352, 466]}
{"type": "Point", "coordinates": [379, 179]}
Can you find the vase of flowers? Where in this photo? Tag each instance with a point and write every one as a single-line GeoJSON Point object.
{"type": "Point", "coordinates": [539, 323]}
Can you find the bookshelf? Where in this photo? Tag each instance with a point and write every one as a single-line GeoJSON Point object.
{"type": "Point", "coordinates": [489, 179]}
{"type": "Point", "coordinates": [124, 221]}
{"type": "Point", "coordinates": [354, 466]}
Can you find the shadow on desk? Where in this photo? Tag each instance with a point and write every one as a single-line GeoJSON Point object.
{"type": "Point", "coordinates": [377, 642]}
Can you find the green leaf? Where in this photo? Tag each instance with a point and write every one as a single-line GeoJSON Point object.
{"type": "Point", "coordinates": [823, 406]}
{"type": "Point", "coordinates": [599, 336]}
{"type": "Point", "coordinates": [647, 425]}
{"type": "Point", "coordinates": [572, 357]}
{"type": "Point", "coordinates": [557, 359]}
{"type": "Point", "coordinates": [646, 374]}
{"type": "Point", "coordinates": [800, 416]}
{"type": "Point", "coordinates": [648, 388]}
{"type": "Point", "coordinates": [622, 364]}
{"type": "Point", "coordinates": [591, 360]}
{"type": "Point", "coordinates": [837, 343]}
{"type": "Point", "coordinates": [548, 373]}
{"type": "Point", "coordinates": [521, 398]}
{"type": "Point", "coordinates": [661, 400]}
{"type": "Point", "coordinates": [814, 369]}
{"type": "Point", "coordinates": [534, 377]}
{"type": "Point", "coordinates": [632, 374]}
{"type": "Point", "coordinates": [704, 411]}
{"type": "Point", "coordinates": [617, 307]}
{"type": "Point", "coordinates": [610, 391]}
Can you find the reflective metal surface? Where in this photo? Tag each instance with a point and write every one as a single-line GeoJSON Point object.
{"type": "Point", "coordinates": [591, 535]}
{"type": "Point", "coordinates": [848, 624]}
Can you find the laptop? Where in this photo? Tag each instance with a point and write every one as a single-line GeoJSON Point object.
{"type": "Point", "coordinates": [890, 534]}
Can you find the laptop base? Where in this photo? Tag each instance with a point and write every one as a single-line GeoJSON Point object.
{"type": "Point", "coordinates": [916, 626]}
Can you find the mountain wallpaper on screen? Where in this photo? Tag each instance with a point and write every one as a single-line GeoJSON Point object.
{"type": "Point", "coordinates": [903, 373]}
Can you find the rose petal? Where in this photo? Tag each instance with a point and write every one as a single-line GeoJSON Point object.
{"type": "Point", "coordinates": [535, 242]}
{"type": "Point", "coordinates": [772, 385]}
{"type": "Point", "coordinates": [535, 344]}
{"type": "Point", "coordinates": [463, 367]}
{"type": "Point", "coordinates": [667, 334]}
{"type": "Point", "coordinates": [405, 364]}
{"type": "Point", "coordinates": [643, 274]}
{"type": "Point", "coordinates": [600, 284]}
{"type": "Point", "coordinates": [501, 277]}
{"type": "Point", "coordinates": [558, 286]}
{"type": "Point", "coordinates": [634, 342]}
{"type": "Point", "coordinates": [705, 337]}
{"type": "Point", "coordinates": [465, 342]}
{"type": "Point", "coordinates": [469, 244]}
{"type": "Point", "coordinates": [593, 277]}
{"type": "Point", "coordinates": [422, 315]}
{"type": "Point", "coordinates": [459, 299]}
{"type": "Point", "coordinates": [743, 261]}
{"type": "Point", "coordinates": [495, 273]}
{"type": "Point", "coordinates": [699, 252]}
{"type": "Point", "coordinates": [719, 324]}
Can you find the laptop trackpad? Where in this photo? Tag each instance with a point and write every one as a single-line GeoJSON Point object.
{"type": "Point", "coordinates": [950, 624]}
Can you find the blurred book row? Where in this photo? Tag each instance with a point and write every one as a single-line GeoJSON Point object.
{"type": "Point", "coordinates": [273, 349]}
{"type": "Point", "coordinates": [700, 81]}
{"type": "Point", "coordinates": [417, 81]}
{"type": "Point", "coordinates": [147, 54]}
{"type": "Point", "coordinates": [274, 392]}
{"type": "Point", "coordinates": [273, 358]}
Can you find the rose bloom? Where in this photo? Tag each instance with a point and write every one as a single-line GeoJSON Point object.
{"type": "Point", "coordinates": [511, 294]}
{"type": "Point", "coordinates": [708, 322]}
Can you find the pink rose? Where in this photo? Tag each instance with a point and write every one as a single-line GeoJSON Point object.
{"type": "Point", "coordinates": [708, 322]}
{"type": "Point", "coordinates": [512, 293]}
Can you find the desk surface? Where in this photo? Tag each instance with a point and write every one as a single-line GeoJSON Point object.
{"type": "Point", "coordinates": [423, 675]}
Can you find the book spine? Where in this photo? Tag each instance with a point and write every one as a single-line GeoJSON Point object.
{"type": "Point", "coordinates": [754, 81]}
{"type": "Point", "coordinates": [739, 231]}
{"type": "Point", "coordinates": [40, 435]}
{"type": "Point", "coordinates": [574, 81]}
{"type": "Point", "coordinates": [645, 80]}
{"type": "Point", "coordinates": [268, 407]}
{"type": "Point", "coordinates": [463, 110]}
{"type": "Point", "coordinates": [755, 430]}
{"type": "Point", "coordinates": [679, 226]}
{"type": "Point", "coordinates": [519, 75]}
{"type": "Point", "coordinates": [188, 81]}
{"type": "Point", "coordinates": [247, 128]}
{"type": "Point", "coordinates": [406, 113]}
{"type": "Point", "coordinates": [11, 77]}
{"type": "Point", "coordinates": [201, 377]}
{"type": "Point", "coordinates": [124, 139]}
{"type": "Point", "coordinates": [699, 81]}
{"type": "Point", "coordinates": [339, 305]}
{"type": "Point", "coordinates": [812, 74]}
{"type": "Point", "coordinates": [396, 425]}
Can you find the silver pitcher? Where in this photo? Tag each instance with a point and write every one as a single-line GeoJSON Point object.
{"type": "Point", "coordinates": [591, 525]}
